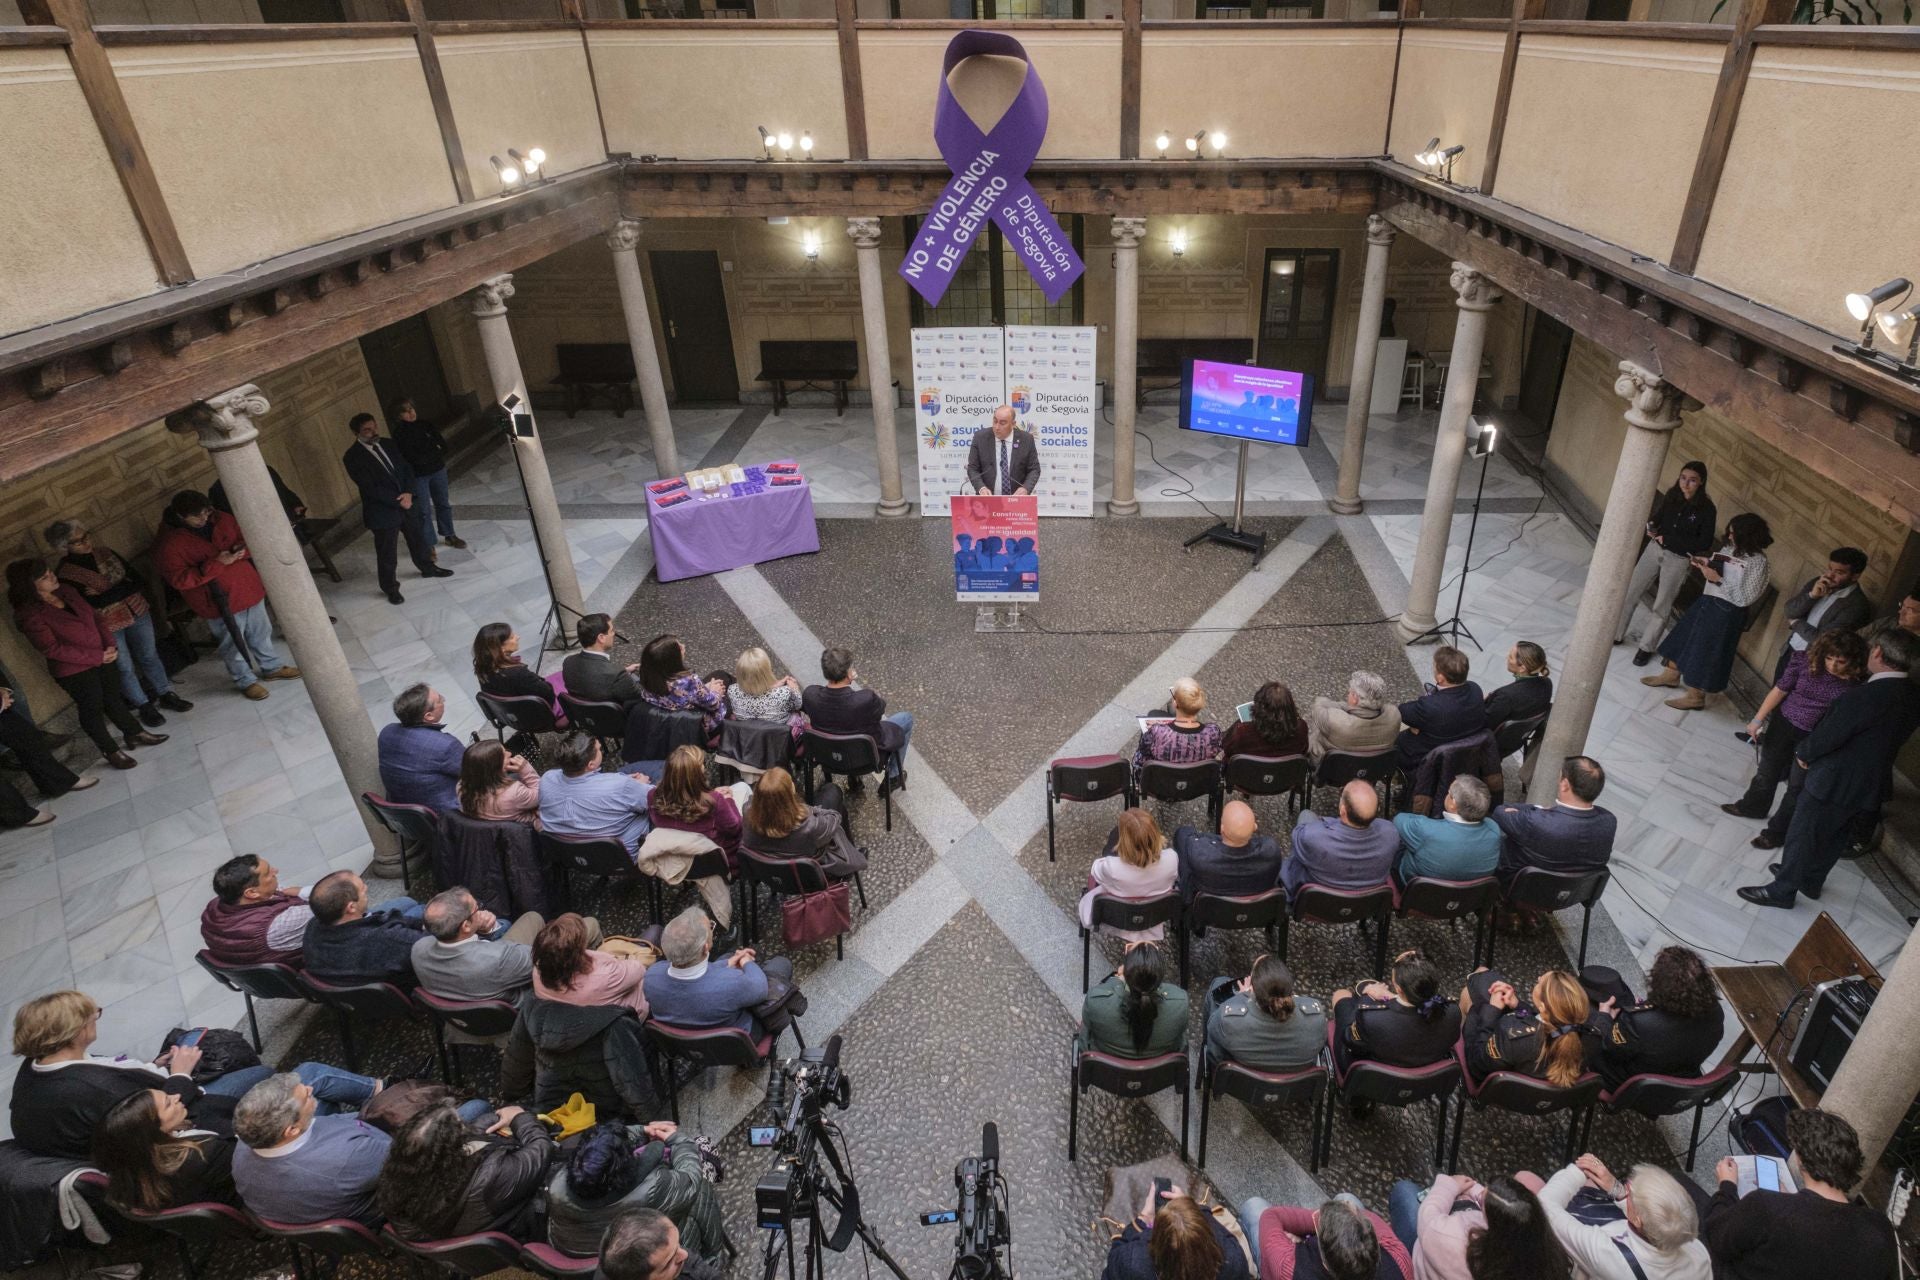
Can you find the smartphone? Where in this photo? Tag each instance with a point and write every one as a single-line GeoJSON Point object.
{"type": "Point", "coordinates": [1766, 1174]}
{"type": "Point", "coordinates": [762, 1135]}
{"type": "Point", "coordinates": [1163, 1188]}
{"type": "Point", "coordinates": [942, 1216]}
{"type": "Point", "coordinates": [190, 1039]}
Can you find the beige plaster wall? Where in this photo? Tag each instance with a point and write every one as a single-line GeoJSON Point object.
{"type": "Point", "coordinates": [1809, 209]}
{"type": "Point", "coordinates": [900, 75]}
{"type": "Point", "coordinates": [650, 82]}
{"type": "Point", "coordinates": [265, 148]}
{"type": "Point", "coordinates": [1603, 134]}
{"type": "Point", "coordinates": [521, 89]}
{"type": "Point", "coordinates": [68, 239]}
{"type": "Point", "coordinates": [1275, 92]}
{"type": "Point", "coordinates": [1446, 88]}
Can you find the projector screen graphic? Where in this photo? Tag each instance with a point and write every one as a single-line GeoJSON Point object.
{"type": "Point", "coordinates": [1271, 406]}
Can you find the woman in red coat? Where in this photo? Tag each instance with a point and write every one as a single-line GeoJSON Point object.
{"type": "Point", "coordinates": [80, 654]}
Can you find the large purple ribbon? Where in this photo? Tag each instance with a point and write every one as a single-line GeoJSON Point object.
{"type": "Point", "coordinates": [990, 181]}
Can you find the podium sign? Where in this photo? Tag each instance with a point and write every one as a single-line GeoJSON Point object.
{"type": "Point", "coordinates": [996, 549]}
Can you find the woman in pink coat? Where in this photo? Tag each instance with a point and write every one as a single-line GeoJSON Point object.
{"type": "Point", "coordinates": [80, 654]}
{"type": "Point", "coordinates": [566, 971]}
{"type": "Point", "coordinates": [497, 786]}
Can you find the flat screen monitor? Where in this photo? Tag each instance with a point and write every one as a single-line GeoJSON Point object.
{"type": "Point", "coordinates": [1271, 406]}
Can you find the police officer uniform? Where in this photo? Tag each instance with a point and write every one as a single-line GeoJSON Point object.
{"type": "Point", "coordinates": [1397, 1034]}
{"type": "Point", "coordinates": [1239, 1030]}
{"type": "Point", "coordinates": [1643, 1040]}
{"type": "Point", "coordinates": [1497, 1039]}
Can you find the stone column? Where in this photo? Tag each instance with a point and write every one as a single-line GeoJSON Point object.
{"type": "Point", "coordinates": [873, 314]}
{"type": "Point", "coordinates": [1884, 1060]}
{"type": "Point", "coordinates": [503, 367]}
{"type": "Point", "coordinates": [1476, 297]}
{"type": "Point", "coordinates": [1653, 411]}
{"type": "Point", "coordinates": [224, 426]}
{"type": "Point", "coordinates": [1127, 235]}
{"type": "Point", "coordinates": [622, 240]}
{"type": "Point", "coordinates": [1366, 349]}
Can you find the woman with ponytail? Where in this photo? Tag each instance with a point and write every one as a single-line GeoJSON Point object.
{"type": "Point", "coordinates": [1408, 1024]}
{"type": "Point", "coordinates": [1262, 1022]}
{"type": "Point", "coordinates": [1135, 1012]}
{"type": "Point", "coordinates": [1546, 1037]}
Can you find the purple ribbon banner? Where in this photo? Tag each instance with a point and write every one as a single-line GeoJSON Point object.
{"type": "Point", "coordinates": [990, 181]}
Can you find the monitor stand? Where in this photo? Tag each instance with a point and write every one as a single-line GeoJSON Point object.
{"type": "Point", "coordinates": [1233, 535]}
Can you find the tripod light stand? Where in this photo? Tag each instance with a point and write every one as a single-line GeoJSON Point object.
{"type": "Point", "coordinates": [1479, 445]}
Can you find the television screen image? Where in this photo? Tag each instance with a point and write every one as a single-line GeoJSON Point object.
{"type": "Point", "coordinates": [1271, 406]}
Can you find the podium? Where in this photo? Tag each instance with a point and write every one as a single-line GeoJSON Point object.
{"type": "Point", "coordinates": [996, 557]}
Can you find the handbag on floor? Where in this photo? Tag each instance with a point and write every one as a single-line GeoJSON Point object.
{"type": "Point", "coordinates": [807, 918]}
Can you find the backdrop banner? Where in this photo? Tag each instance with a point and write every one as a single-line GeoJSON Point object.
{"type": "Point", "coordinates": [959, 378]}
{"type": "Point", "coordinates": [1050, 384]}
{"type": "Point", "coordinates": [990, 181]}
{"type": "Point", "coordinates": [996, 550]}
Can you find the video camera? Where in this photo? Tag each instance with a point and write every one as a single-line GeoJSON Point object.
{"type": "Point", "coordinates": [981, 1215]}
{"type": "Point", "coordinates": [797, 1094]}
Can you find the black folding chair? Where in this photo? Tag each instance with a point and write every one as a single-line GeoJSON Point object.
{"type": "Point", "coordinates": [1127, 1078]}
{"type": "Point", "coordinates": [1381, 768]}
{"type": "Point", "coordinates": [479, 1254]}
{"type": "Point", "coordinates": [743, 743]}
{"type": "Point", "coordinates": [266, 981]}
{"type": "Point", "coordinates": [1289, 776]}
{"type": "Point", "coordinates": [1180, 783]}
{"type": "Point", "coordinates": [604, 858]}
{"type": "Point", "coordinates": [1385, 1085]}
{"type": "Point", "coordinates": [1538, 889]}
{"type": "Point", "coordinates": [709, 862]}
{"type": "Point", "coordinates": [520, 713]}
{"type": "Point", "coordinates": [1520, 735]}
{"type": "Point", "coordinates": [544, 1260]}
{"type": "Point", "coordinates": [1086, 779]}
{"type": "Point", "coordinates": [360, 1002]}
{"type": "Point", "coordinates": [1425, 898]}
{"type": "Point", "coordinates": [844, 755]}
{"type": "Point", "coordinates": [606, 721]}
{"type": "Point", "coordinates": [1132, 915]}
{"type": "Point", "coordinates": [1265, 1089]}
{"type": "Point", "coordinates": [1263, 911]}
{"type": "Point", "coordinates": [331, 1241]}
{"type": "Point", "coordinates": [199, 1231]}
{"type": "Point", "coordinates": [790, 876]}
{"type": "Point", "coordinates": [726, 1046]}
{"type": "Point", "coordinates": [1522, 1095]}
{"type": "Point", "coordinates": [1320, 904]}
{"type": "Point", "coordinates": [416, 826]}
{"type": "Point", "coordinates": [479, 1019]}
{"type": "Point", "coordinates": [1655, 1096]}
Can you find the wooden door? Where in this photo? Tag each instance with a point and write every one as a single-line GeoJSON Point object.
{"type": "Point", "coordinates": [1545, 366]}
{"type": "Point", "coordinates": [693, 312]}
{"type": "Point", "coordinates": [402, 360]}
{"type": "Point", "coordinates": [1296, 310]}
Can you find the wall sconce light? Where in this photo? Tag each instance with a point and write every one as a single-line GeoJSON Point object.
{"type": "Point", "coordinates": [532, 163]}
{"type": "Point", "coordinates": [1219, 140]}
{"type": "Point", "coordinates": [810, 245]}
{"type": "Point", "coordinates": [1425, 154]}
{"type": "Point", "coordinates": [786, 145]}
{"type": "Point", "coordinates": [509, 175]}
{"type": "Point", "coordinates": [1862, 306]}
{"type": "Point", "coordinates": [1889, 308]}
{"type": "Point", "coordinates": [1193, 143]}
{"type": "Point", "coordinates": [1902, 329]}
{"type": "Point", "coordinates": [1162, 142]}
{"type": "Point", "coordinates": [1439, 160]}
{"type": "Point", "coordinates": [1177, 241]}
{"type": "Point", "coordinates": [806, 144]}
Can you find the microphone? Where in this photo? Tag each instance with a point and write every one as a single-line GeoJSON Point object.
{"type": "Point", "coordinates": [831, 1058]}
{"type": "Point", "coordinates": [989, 1143]}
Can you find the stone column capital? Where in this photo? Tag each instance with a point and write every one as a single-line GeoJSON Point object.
{"type": "Point", "coordinates": [224, 421]}
{"type": "Point", "coordinates": [624, 235]}
{"type": "Point", "coordinates": [1382, 232]}
{"type": "Point", "coordinates": [490, 296]}
{"type": "Point", "coordinates": [1129, 232]}
{"type": "Point", "coordinates": [865, 232]}
{"type": "Point", "coordinates": [1653, 403]}
{"type": "Point", "coordinates": [1475, 292]}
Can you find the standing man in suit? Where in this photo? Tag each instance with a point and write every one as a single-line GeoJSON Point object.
{"type": "Point", "coordinates": [1829, 602]}
{"type": "Point", "coordinates": [1452, 708]}
{"type": "Point", "coordinates": [386, 504]}
{"type": "Point", "coordinates": [1846, 759]}
{"type": "Point", "coordinates": [1571, 834]}
{"type": "Point", "coordinates": [1003, 459]}
{"type": "Point", "coordinates": [592, 673]}
{"type": "Point", "coordinates": [1237, 861]}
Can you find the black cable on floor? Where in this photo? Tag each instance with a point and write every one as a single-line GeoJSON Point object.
{"type": "Point", "coordinates": [1669, 932]}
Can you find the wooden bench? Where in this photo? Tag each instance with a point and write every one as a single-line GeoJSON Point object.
{"type": "Point", "coordinates": [589, 369]}
{"type": "Point", "coordinates": [810, 363]}
{"type": "Point", "coordinates": [1165, 359]}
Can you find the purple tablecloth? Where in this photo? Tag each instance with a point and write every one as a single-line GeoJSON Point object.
{"type": "Point", "coordinates": [749, 525]}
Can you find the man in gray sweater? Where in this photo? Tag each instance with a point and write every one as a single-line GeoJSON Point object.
{"type": "Point", "coordinates": [458, 961]}
{"type": "Point", "coordinates": [292, 1166]}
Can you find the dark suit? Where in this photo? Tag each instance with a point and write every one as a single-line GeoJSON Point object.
{"type": "Point", "coordinates": [1555, 838]}
{"type": "Point", "coordinates": [1441, 716]}
{"type": "Point", "coordinates": [983, 461]}
{"type": "Point", "coordinates": [381, 486]}
{"type": "Point", "coordinates": [599, 679]}
{"type": "Point", "coordinates": [1851, 611]}
{"type": "Point", "coordinates": [1846, 759]}
{"type": "Point", "coordinates": [1208, 864]}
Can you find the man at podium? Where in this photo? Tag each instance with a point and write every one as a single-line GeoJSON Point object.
{"type": "Point", "coordinates": [1003, 459]}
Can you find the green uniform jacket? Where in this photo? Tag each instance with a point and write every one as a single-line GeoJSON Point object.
{"type": "Point", "coordinates": [1103, 1027]}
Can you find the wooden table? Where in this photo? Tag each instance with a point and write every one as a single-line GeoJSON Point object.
{"type": "Point", "coordinates": [1765, 1000]}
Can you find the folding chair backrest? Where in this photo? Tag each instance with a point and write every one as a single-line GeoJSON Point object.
{"type": "Point", "coordinates": [1543, 890]}
{"type": "Point", "coordinates": [1089, 778]}
{"type": "Point", "coordinates": [593, 856]}
{"type": "Point", "coordinates": [1429, 899]}
{"type": "Point", "coordinates": [841, 753]}
{"type": "Point", "coordinates": [1135, 914]}
{"type": "Point", "coordinates": [261, 981]}
{"type": "Point", "coordinates": [413, 823]}
{"type": "Point", "coordinates": [1267, 1088]}
{"type": "Point", "coordinates": [1320, 904]}
{"type": "Point", "coordinates": [520, 712]}
{"type": "Point", "coordinates": [782, 875]}
{"type": "Point", "coordinates": [1337, 768]}
{"type": "Point", "coordinates": [601, 719]}
{"type": "Point", "coordinates": [1177, 783]}
{"type": "Point", "coordinates": [1268, 775]}
{"type": "Point", "coordinates": [481, 1018]}
{"type": "Point", "coordinates": [1133, 1077]}
{"type": "Point", "coordinates": [1250, 911]}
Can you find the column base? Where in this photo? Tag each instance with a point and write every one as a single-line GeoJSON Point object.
{"type": "Point", "coordinates": [1131, 507]}
{"type": "Point", "coordinates": [1410, 630]}
{"type": "Point", "coordinates": [898, 507]}
{"type": "Point", "coordinates": [1346, 506]}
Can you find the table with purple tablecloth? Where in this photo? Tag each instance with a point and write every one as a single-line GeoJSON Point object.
{"type": "Point", "coordinates": [740, 524]}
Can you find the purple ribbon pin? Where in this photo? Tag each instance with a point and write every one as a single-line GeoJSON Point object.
{"type": "Point", "coordinates": [990, 181]}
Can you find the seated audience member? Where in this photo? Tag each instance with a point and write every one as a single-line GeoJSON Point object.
{"type": "Point", "coordinates": [1260, 1022]}
{"type": "Point", "coordinates": [592, 674]}
{"type": "Point", "coordinates": [643, 1244]}
{"type": "Point", "coordinates": [419, 760]}
{"type": "Point", "coordinates": [667, 682]}
{"type": "Point", "coordinates": [684, 802]}
{"type": "Point", "coordinates": [567, 969]}
{"type": "Point", "coordinates": [1460, 844]}
{"type": "Point", "coordinates": [1341, 1240]}
{"type": "Point", "coordinates": [779, 824]}
{"type": "Point", "coordinates": [1410, 1023]}
{"type": "Point", "coordinates": [1545, 1036]}
{"type": "Point", "coordinates": [1816, 1231]}
{"type": "Point", "coordinates": [348, 943]}
{"type": "Point", "coordinates": [756, 695]}
{"type": "Point", "coordinates": [1276, 728]}
{"type": "Point", "coordinates": [1182, 740]}
{"type": "Point", "coordinates": [615, 1168]}
{"type": "Point", "coordinates": [841, 706]}
{"type": "Point", "coordinates": [1355, 850]}
{"type": "Point", "coordinates": [294, 1165]}
{"type": "Point", "coordinates": [442, 1178]}
{"type": "Point", "coordinates": [460, 959]}
{"type": "Point", "coordinates": [25, 747]}
{"type": "Point", "coordinates": [251, 919]}
{"type": "Point", "coordinates": [1529, 693]}
{"type": "Point", "coordinates": [577, 799]}
{"type": "Point", "coordinates": [498, 786]}
{"type": "Point", "coordinates": [1671, 1033]}
{"type": "Point", "coordinates": [1572, 834]}
{"type": "Point", "coordinates": [1361, 723]}
{"type": "Point", "coordinates": [1459, 1230]}
{"type": "Point", "coordinates": [1134, 1012]}
{"type": "Point", "coordinates": [1656, 1236]}
{"type": "Point", "coordinates": [1140, 866]}
{"type": "Point", "coordinates": [685, 989]}
{"type": "Point", "coordinates": [155, 1159]}
{"type": "Point", "coordinates": [1177, 1239]}
{"type": "Point", "coordinates": [1452, 708]}
{"type": "Point", "coordinates": [63, 1092]}
{"type": "Point", "coordinates": [1237, 861]}
{"type": "Point", "coordinates": [500, 671]}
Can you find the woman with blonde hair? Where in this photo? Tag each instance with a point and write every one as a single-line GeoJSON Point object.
{"type": "Point", "coordinates": [756, 694]}
{"type": "Point", "coordinates": [1183, 739]}
{"type": "Point", "coordinates": [683, 802]}
{"type": "Point", "coordinates": [779, 824]}
{"type": "Point", "coordinates": [1546, 1036]}
{"type": "Point", "coordinates": [1140, 864]}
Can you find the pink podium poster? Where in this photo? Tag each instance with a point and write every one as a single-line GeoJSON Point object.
{"type": "Point", "coordinates": [996, 549]}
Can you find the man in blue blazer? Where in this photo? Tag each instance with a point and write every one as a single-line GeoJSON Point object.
{"type": "Point", "coordinates": [380, 471]}
{"type": "Point", "coordinates": [1572, 834]}
{"type": "Point", "coordinates": [1452, 708]}
{"type": "Point", "coordinates": [1846, 759]}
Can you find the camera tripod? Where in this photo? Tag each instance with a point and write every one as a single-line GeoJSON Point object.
{"type": "Point", "coordinates": [811, 1184]}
